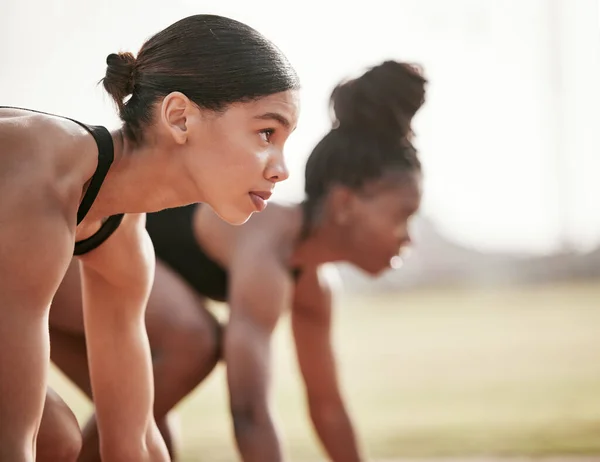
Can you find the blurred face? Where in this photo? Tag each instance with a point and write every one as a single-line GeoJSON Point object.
{"type": "Point", "coordinates": [235, 157]}
{"type": "Point", "coordinates": [375, 221]}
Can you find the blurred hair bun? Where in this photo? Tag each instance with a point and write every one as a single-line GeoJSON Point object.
{"type": "Point", "coordinates": [382, 101]}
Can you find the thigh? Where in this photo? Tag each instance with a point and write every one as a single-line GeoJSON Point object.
{"type": "Point", "coordinates": [66, 311]}
{"type": "Point", "coordinates": [172, 302]}
{"type": "Point", "coordinates": [67, 333]}
{"type": "Point", "coordinates": [175, 306]}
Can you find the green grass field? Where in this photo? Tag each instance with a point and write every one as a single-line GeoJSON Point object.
{"type": "Point", "coordinates": [439, 373]}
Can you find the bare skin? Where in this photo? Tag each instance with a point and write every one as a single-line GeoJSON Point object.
{"type": "Point", "coordinates": [182, 333]}
{"type": "Point", "coordinates": [43, 188]}
{"type": "Point", "coordinates": [257, 299]}
{"type": "Point", "coordinates": [46, 163]}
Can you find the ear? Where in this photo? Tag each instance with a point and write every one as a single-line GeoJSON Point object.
{"type": "Point", "coordinates": [174, 112]}
{"type": "Point", "coordinates": [341, 204]}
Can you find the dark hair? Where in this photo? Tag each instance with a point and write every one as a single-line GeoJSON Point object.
{"type": "Point", "coordinates": [371, 134]}
{"type": "Point", "coordinates": [211, 59]}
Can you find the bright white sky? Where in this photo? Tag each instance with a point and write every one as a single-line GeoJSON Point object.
{"type": "Point", "coordinates": [508, 135]}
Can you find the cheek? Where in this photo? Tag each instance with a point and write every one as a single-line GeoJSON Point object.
{"type": "Point", "coordinates": [369, 248]}
{"type": "Point", "coordinates": [230, 143]}
{"type": "Point", "coordinates": [249, 162]}
{"type": "Point", "coordinates": [238, 153]}
{"type": "Point", "coordinates": [245, 169]}
{"type": "Point", "coordinates": [387, 237]}
{"type": "Point", "coordinates": [372, 236]}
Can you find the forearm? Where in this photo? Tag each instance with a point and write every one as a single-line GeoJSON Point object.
{"type": "Point", "coordinates": [257, 438]}
{"type": "Point", "coordinates": [334, 429]}
{"type": "Point", "coordinates": [123, 394]}
{"type": "Point", "coordinates": [121, 382]}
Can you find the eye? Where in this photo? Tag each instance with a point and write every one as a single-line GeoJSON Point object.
{"type": "Point", "coordinates": [266, 134]}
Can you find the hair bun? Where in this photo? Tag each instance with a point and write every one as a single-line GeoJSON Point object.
{"type": "Point", "coordinates": [383, 100]}
{"type": "Point", "coordinates": [119, 79]}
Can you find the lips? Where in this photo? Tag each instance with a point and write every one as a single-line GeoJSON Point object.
{"type": "Point", "coordinates": [259, 199]}
{"type": "Point", "coordinates": [264, 195]}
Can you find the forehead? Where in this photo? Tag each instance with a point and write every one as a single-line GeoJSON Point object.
{"type": "Point", "coordinates": [289, 100]}
{"type": "Point", "coordinates": [285, 104]}
{"type": "Point", "coordinates": [401, 188]}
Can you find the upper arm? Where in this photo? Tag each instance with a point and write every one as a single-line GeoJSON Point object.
{"type": "Point", "coordinates": [36, 240]}
{"type": "Point", "coordinates": [312, 329]}
{"type": "Point", "coordinates": [122, 267]}
{"type": "Point", "coordinates": [260, 289]}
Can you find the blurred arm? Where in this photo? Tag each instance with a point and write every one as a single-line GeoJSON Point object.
{"type": "Point", "coordinates": [311, 323]}
{"type": "Point", "coordinates": [260, 288]}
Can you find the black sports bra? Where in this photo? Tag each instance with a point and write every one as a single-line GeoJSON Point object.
{"type": "Point", "coordinates": [172, 234]}
{"type": "Point", "coordinates": [105, 159]}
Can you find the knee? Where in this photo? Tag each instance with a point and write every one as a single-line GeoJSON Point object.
{"type": "Point", "coordinates": [193, 346]}
{"type": "Point", "coordinates": [62, 444]}
{"type": "Point", "coordinates": [59, 437]}
{"type": "Point", "coordinates": [65, 449]}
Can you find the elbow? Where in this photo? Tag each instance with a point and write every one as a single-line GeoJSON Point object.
{"type": "Point", "coordinates": [130, 450]}
{"type": "Point", "coordinates": [248, 417]}
{"type": "Point", "coordinates": [327, 410]}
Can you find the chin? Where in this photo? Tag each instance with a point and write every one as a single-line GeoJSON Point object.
{"type": "Point", "coordinates": [374, 271]}
{"type": "Point", "coordinates": [379, 271]}
{"type": "Point", "coordinates": [240, 221]}
{"type": "Point", "coordinates": [234, 217]}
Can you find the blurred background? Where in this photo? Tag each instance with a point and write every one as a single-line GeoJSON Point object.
{"type": "Point", "coordinates": [487, 341]}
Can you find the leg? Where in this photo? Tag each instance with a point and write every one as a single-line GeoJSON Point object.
{"type": "Point", "coordinates": [67, 333]}
{"type": "Point", "coordinates": [59, 438]}
{"type": "Point", "coordinates": [184, 338]}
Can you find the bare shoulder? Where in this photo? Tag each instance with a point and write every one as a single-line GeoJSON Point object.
{"type": "Point", "coordinates": [43, 157]}
{"type": "Point", "coordinates": [43, 140]}
{"type": "Point", "coordinates": [27, 171]}
{"type": "Point", "coordinates": [34, 134]}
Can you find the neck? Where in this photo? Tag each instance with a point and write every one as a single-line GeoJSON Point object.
{"type": "Point", "coordinates": [143, 179]}
{"type": "Point", "coordinates": [321, 245]}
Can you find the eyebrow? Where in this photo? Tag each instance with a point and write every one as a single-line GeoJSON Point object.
{"type": "Point", "coordinates": [275, 116]}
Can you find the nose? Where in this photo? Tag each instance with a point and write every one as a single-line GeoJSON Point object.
{"type": "Point", "coordinates": [277, 170]}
